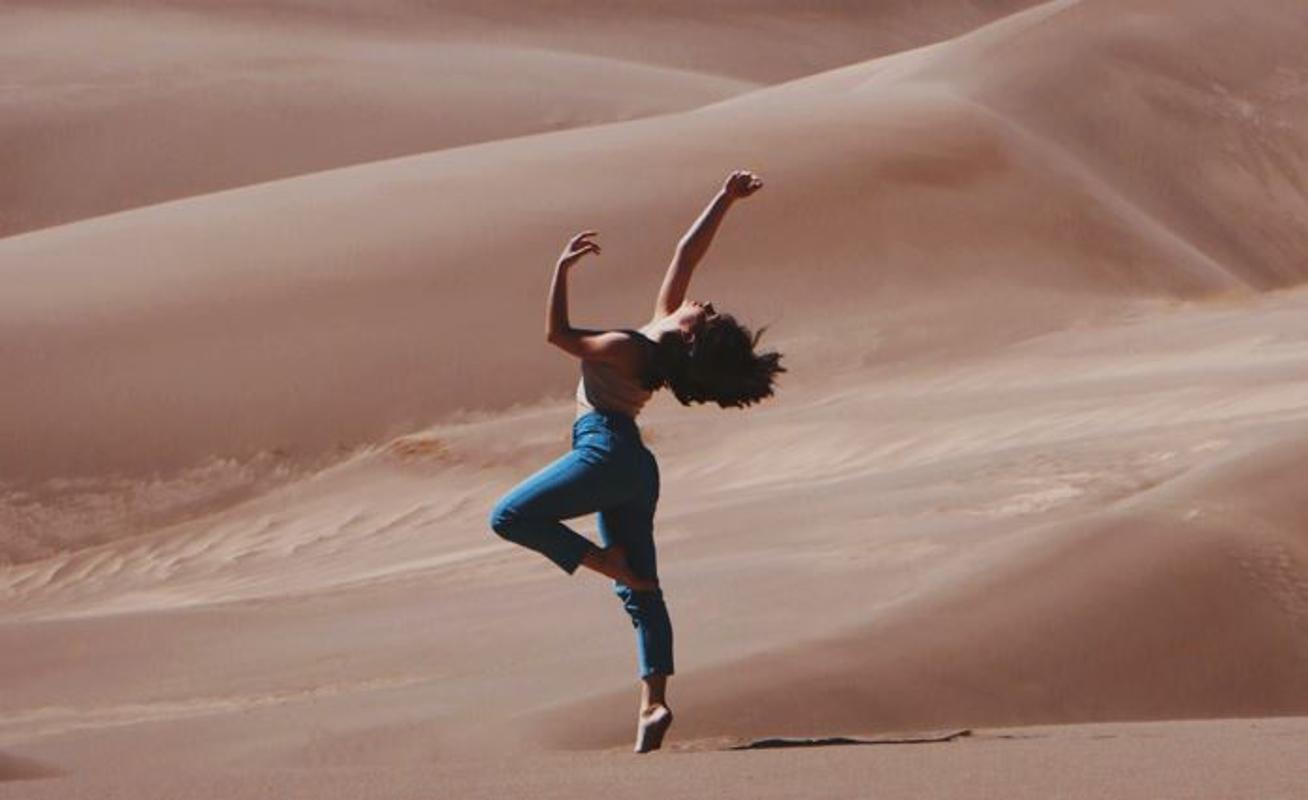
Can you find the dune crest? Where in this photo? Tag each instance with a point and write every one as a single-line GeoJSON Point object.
{"type": "Point", "coordinates": [114, 108]}
{"type": "Point", "coordinates": [1036, 458]}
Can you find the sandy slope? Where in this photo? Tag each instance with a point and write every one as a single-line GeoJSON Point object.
{"type": "Point", "coordinates": [120, 109]}
{"type": "Point", "coordinates": [1189, 600]}
{"type": "Point", "coordinates": [1233, 759]}
{"type": "Point", "coordinates": [1058, 531]}
{"type": "Point", "coordinates": [307, 315]}
{"type": "Point", "coordinates": [113, 107]}
{"type": "Point", "coordinates": [1036, 459]}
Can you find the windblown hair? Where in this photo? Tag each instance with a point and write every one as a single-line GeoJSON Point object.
{"type": "Point", "coordinates": [719, 366]}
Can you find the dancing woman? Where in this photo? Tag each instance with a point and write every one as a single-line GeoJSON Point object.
{"type": "Point", "coordinates": [698, 353]}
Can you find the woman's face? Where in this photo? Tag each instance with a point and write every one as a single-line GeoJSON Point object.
{"type": "Point", "coordinates": [691, 317]}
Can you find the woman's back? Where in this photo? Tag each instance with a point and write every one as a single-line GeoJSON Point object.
{"type": "Point", "coordinates": [606, 386]}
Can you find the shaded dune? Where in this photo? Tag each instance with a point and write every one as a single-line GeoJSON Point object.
{"type": "Point", "coordinates": [1209, 152]}
{"type": "Point", "coordinates": [18, 768]}
{"type": "Point", "coordinates": [125, 110]}
{"type": "Point", "coordinates": [1187, 600]}
{"type": "Point", "coordinates": [1196, 112]}
{"type": "Point", "coordinates": [146, 102]}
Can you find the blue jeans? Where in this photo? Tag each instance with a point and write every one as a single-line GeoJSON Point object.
{"type": "Point", "coordinates": [609, 470]}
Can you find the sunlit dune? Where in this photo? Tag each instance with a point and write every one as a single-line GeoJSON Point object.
{"type": "Point", "coordinates": [110, 108]}
{"type": "Point", "coordinates": [1035, 269]}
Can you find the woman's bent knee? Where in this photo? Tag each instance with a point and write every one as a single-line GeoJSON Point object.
{"type": "Point", "coordinates": [503, 518]}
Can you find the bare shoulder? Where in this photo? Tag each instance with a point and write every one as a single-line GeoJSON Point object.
{"type": "Point", "coordinates": [609, 346]}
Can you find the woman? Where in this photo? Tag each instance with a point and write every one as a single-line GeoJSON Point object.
{"type": "Point", "coordinates": [701, 356]}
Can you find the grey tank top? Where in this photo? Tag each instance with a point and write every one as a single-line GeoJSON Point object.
{"type": "Point", "coordinates": [604, 387]}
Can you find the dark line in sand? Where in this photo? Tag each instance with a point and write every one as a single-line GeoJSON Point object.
{"type": "Point", "coordinates": [924, 737]}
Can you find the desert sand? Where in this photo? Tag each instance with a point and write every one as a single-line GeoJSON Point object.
{"type": "Point", "coordinates": [275, 275]}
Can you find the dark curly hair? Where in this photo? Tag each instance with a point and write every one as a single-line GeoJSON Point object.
{"type": "Point", "coordinates": [719, 366]}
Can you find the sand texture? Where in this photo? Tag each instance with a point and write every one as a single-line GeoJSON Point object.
{"type": "Point", "coordinates": [271, 333]}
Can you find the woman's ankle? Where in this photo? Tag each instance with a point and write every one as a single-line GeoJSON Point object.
{"type": "Point", "coordinates": [653, 691]}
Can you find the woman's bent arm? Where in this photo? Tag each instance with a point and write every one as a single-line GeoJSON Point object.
{"type": "Point", "coordinates": [556, 311]}
{"type": "Point", "coordinates": [596, 345]}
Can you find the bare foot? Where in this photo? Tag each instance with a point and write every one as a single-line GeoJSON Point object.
{"type": "Point", "coordinates": [650, 727]}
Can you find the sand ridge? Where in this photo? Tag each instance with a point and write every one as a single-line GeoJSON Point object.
{"type": "Point", "coordinates": [115, 107]}
{"type": "Point", "coordinates": [1035, 269]}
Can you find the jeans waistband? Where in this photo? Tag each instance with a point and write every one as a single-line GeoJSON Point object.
{"type": "Point", "coordinates": [610, 420]}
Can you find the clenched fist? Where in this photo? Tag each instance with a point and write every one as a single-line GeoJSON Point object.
{"type": "Point", "coordinates": [741, 183]}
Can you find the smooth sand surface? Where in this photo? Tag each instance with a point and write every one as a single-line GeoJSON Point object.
{"type": "Point", "coordinates": [1233, 759]}
{"type": "Point", "coordinates": [1035, 469]}
{"type": "Point", "coordinates": [107, 107]}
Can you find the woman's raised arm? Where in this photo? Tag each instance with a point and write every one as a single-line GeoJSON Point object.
{"type": "Point", "coordinates": [694, 244]}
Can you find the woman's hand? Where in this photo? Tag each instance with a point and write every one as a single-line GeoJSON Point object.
{"type": "Point", "coordinates": [741, 183]}
{"type": "Point", "coordinates": [577, 247]}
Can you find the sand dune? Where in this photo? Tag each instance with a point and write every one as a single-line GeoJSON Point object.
{"type": "Point", "coordinates": [395, 232]}
{"type": "Point", "coordinates": [131, 109]}
{"type": "Point", "coordinates": [1035, 461]}
{"type": "Point", "coordinates": [117, 107]}
{"type": "Point", "coordinates": [1211, 148]}
{"type": "Point", "coordinates": [326, 291]}
{"type": "Point", "coordinates": [1187, 601]}
{"type": "Point", "coordinates": [1054, 532]}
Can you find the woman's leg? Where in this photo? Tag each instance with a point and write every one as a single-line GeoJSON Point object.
{"type": "Point", "coordinates": [529, 514]}
{"type": "Point", "coordinates": [653, 692]}
{"type": "Point", "coordinates": [645, 606]}
{"type": "Point", "coordinates": [655, 717]}
{"type": "Point", "coordinates": [572, 485]}
{"type": "Point", "coordinates": [631, 525]}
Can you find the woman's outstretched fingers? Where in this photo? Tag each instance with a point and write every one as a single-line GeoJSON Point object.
{"type": "Point", "coordinates": [578, 246]}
